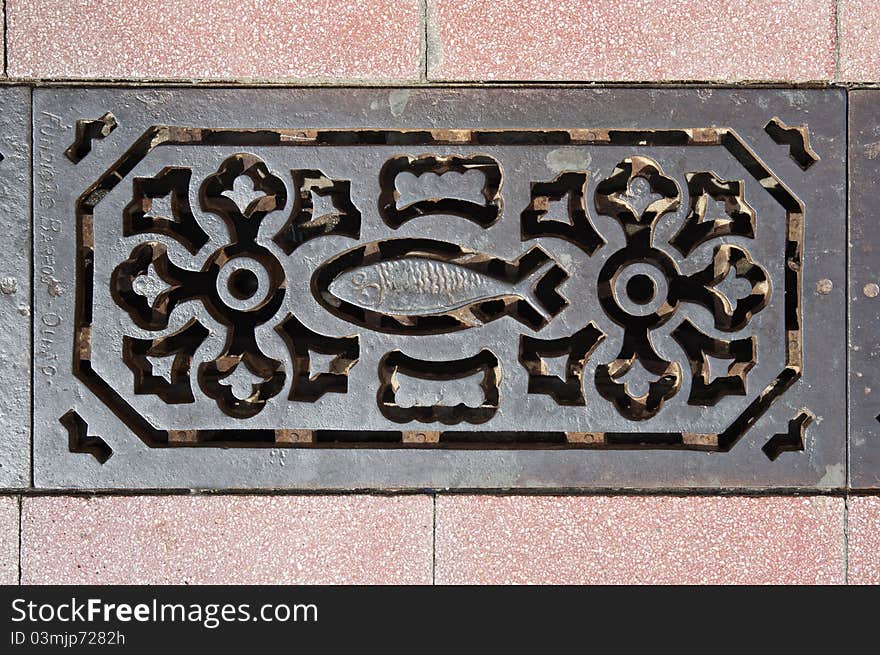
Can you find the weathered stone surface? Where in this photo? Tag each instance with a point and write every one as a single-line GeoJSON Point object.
{"type": "Point", "coordinates": [640, 540]}
{"type": "Point", "coordinates": [224, 39]}
{"type": "Point", "coordinates": [307, 539]}
{"type": "Point", "coordinates": [863, 540]}
{"type": "Point", "coordinates": [15, 287]}
{"type": "Point", "coordinates": [494, 288]}
{"type": "Point", "coordinates": [636, 41]}
{"type": "Point", "coordinates": [9, 539]}
{"type": "Point", "coordinates": [858, 22]}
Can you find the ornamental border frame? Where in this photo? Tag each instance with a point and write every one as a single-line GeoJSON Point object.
{"type": "Point", "coordinates": [168, 135]}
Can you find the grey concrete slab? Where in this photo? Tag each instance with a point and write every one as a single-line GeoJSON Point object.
{"type": "Point", "coordinates": [15, 287]}
{"type": "Point", "coordinates": [864, 292]}
{"type": "Point", "coordinates": [480, 288]}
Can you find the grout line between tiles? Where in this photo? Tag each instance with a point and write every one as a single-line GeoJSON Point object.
{"type": "Point", "coordinates": [837, 39]}
{"type": "Point", "coordinates": [20, 535]}
{"type": "Point", "coordinates": [434, 540]}
{"type": "Point", "coordinates": [668, 492]}
{"type": "Point", "coordinates": [846, 540]}
{"type": "Point", "coordinates": [301, 83]}
{"type": "Point", "coordinates": [423, 73]}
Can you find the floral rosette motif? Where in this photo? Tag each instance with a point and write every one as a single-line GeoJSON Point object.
{"type": "Point", "coordinates": [241, 285]}
{"type": "Point", "coordinates": [641, 287]}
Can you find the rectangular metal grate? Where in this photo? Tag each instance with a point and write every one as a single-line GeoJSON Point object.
{"type": "Point", "coordinates": [331, 288]}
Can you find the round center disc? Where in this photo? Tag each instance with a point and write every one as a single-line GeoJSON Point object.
{"type": "Point", "coordinates": [243, 283]}
{"type": "Point", "coordinates": [641, 289]}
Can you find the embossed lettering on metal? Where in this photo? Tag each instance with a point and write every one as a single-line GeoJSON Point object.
{"type": "Point", "coordinates": [15, 284]}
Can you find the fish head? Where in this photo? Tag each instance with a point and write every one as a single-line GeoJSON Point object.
{"type": "Point", "coordinates": [360, 286]}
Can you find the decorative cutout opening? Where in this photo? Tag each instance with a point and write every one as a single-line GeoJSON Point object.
{"type": "Point", "coordinates": [395, 363]}
{"type": "Point", "coordinates": [483, 213]}
{"type": "Point", "coordinates": [637, 219]}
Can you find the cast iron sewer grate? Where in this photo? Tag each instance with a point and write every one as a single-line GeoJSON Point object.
{"type": "Point", "coordinates": [489, 288]}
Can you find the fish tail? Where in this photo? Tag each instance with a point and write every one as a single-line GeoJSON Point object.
{"type": "Point", "coordinates": [526, 288]}
{"type": "Point", "coordinates": [545, 273]}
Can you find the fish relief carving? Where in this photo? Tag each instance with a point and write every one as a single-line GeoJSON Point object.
{"type": "Point", "coordinates": [424, 286]}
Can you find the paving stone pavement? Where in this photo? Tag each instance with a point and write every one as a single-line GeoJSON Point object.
{"type": "Point", "coordinates": [354, 539]}
{"type": "Point", "coordinates": [450, 40]}
{"type": "Point", "coordinates": [9, 539]}
{"type": "Point", "coordinates": [472, 39]}
{"type": "Point", "coordinates": [291, 40]}
{"type": "Point", "coordinates": [639, 540]}
{"type": "Point", "coordinates": [790, 499]}
{"type": "Point", "coordinates": [863, 530]}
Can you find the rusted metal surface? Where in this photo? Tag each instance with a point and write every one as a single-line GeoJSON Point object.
{"type": "Point", "coordinates": [864, 290]}
{"type": "Point", "coordinates": [87, 131]}
{"type": "Point", "coordinates": [797, 138]}
{"type": "Point", "coordinates": [15, 286]}
{"type": "Point", "coordinates": [525, 288]}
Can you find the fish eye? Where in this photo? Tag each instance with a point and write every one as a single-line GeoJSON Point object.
{"type": "Point", "coordinates": [359, 279]}
{"type": "Point", "coordinates": [371, 293]}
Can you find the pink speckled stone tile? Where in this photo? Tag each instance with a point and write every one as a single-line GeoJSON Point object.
{"type": "Point", "coordinates": [859, 34]}
{"type": "Point", "coordinates": [8, 540]}
{"type": "Point", "coordinates": [863, 523]}
{"type": "Point", "coordinates": [639, 40]}
{"type": "Point", "coordinates": [221, 39]}
{"type": "Point", "coordinates": [227, 540]}
{"type": "Point", "coordinates": [635, 540]}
